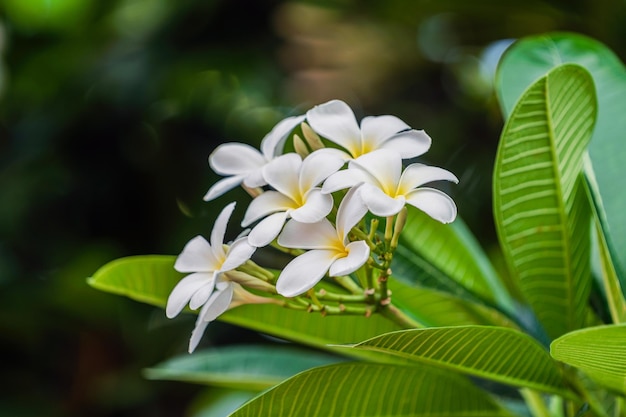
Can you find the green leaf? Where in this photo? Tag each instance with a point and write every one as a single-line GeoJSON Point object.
{"type": "Point", "coordinates": [372, 390]}
{"type": "Point", "coordinates": [494, 353]}
{"type": "Point", "coordinates": [612, 288]}
{"type": "Point", "coordinates": [243, 367]}
{"type": "Point", "coordinates": [150, 279]}
{"type": "Point", "coordinates": [530, 59]}
{"type": "Point", "coordinates": [433, 308]}
{"type": "Point", "coordinates": [218, 402]}
{"type": "Point", "coordinates": [447, 256]}
{"type": "Point", "coordinates": [599, 351]}
{"type": "Point", "coordinates": [540, 205]}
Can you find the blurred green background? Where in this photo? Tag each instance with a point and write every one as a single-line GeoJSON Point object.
{"type": "Point", "coordinates": [108, 111]}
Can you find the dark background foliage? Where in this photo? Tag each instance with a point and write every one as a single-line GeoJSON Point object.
{"type": "Point", "coordinates": [108, 111]}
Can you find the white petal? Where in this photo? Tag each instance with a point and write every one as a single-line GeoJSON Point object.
{"type": "Point", "coordinates": [345, 179]}
{"type": "Point", "coordinates": [317, 207]}
{"type": "Point", "coordinates": [384, 165]}
{"type": "Point", "coordinates": [267, 203]}
{"type": "Point", "coordinates": [320, 235]}
{"type": "Point", "coordinates": [185, 289]}
{"type": "Point", "coordinates": [380, 203]}
{"type": "Point", "coordinates": [255, 178]}
{"type": "Point", "coordinates": [196, 256]}
{"type": "Point", "coordinates": [197, 333]}
{"type": "Point", "coordinates": [358, 254]}
{"type": "Point", "coordinates": [416, 175]}
{"type": "Point", "coordinates": [272, 143]}
{"type": "Point", "coordinates": [283, 174]}
{"type": "Point", "coordinates": [266, 231]}
{"type": "Point", "coordinates": [222, 186]}
{"type": "Point", "coordinates": [218, 303]}
{"type": "Point", "coordinates": [200, 297]}
{"type": "Point", "coordinates": [304, 272]}
{"type": "Point", "coordinates": [408, 144]}
{"type": "Point", "coordinates": [239, 252]}
{"type": "Point", "coordinates": [351, 211]}
{"type": "Point", "coordinates": [377, 129]}
{"type": "Point", "coordinates": [335, 153]}
{"type": "Point", "coordinates": [317, 167]}
{"type": "Point", "coordinates": [219, 230]}
{"type": "Point", "coordinates": [235, 158]}
{"type": "Point", "coordinates": [336, 122]}
{"type": "Point", "coordinates": [435, 203]}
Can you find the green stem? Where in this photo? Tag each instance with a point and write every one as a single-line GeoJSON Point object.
{"type": "Point", "coordinates": [349, 284]}
{"type": "Point", "coordinates": [399, 317]}
{"type": "Point", "coordinates": [323, 295]}
{"type": "Point", "coordinates": [360, 234]}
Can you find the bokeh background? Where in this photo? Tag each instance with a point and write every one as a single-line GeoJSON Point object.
{"type": "Point", "coordinates": [109, 109]}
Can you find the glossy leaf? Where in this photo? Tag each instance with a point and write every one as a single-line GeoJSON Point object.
{"type": "Point", "coordinates": [599, 351]}
{"type": "Point", "coordinates": [150, 279]}
{"type": "Point", "coordinates": [612, 287]}
{"type": "Point", "coordinates": [254, 368]}
{"type": "Point", "coordinates": [372, 390]}
{"type": "Point", "coordinates": [431, 307]}
{"type": "Point", "coordinates": [530, 59]}
{"type": "Point", "coordinates": [494, 353]}
{"type": "Point", "coordinates": [540, 205]}
{"type": "Point", "coordinates": [218, 402]}
{"type": "Point", "coordinates": [449, 253]}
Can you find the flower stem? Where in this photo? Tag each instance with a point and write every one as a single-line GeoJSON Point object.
{"type": "Point", "coordinates": [399, 317]}
{"type": "Point", "coordinates": [323, 295]}
{"type": "Point", "coordinates": [347, 283]}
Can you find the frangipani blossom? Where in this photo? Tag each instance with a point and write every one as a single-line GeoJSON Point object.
{"type": "Point", "coordinates": [242, 163]}
{"type": "Point", "coordinates": [296, 194]}
{"type": "Point", "coordinates": [331, 251]}
{"type": "Point", "coordinates": [335, 121]}
{"type": "Point", "coordinates": [207, 285]}
{"type": "Point", "coordinates": [387, 188]}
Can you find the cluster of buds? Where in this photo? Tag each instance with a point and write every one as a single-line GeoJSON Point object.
{"type": "Point", "coordinates": [312, 203]}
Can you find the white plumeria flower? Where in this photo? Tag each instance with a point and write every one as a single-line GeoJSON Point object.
{"type": "Point", "coordinates": [296, 194]}
{"type": "Point", "coordinates": [335, 121]}
{"type": "Point", "coordinates": [242, 163]}
{"type": "Point", "coordinates": [331, 251]}
{"type": "Point", "coordinates": [387, 188]}
{"type": "Point", "coordinates": [207, 285]}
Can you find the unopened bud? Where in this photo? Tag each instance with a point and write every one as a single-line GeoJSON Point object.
{"type": "Point", "coordinates": [312, 138]}
{"type": "Point", "coordinates": [241, 297]}
{"type": "Point", "coordinates": [250, 281]}
{"type": "Point", "coordinates": [397, 228]}
{"type": "Point", "coordinates": [300, 147]}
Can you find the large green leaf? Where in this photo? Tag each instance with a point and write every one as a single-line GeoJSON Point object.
{"type": "Point", "coordinates": [433, 308]}
{"type": "Point", "coordinates": [530, 59]}
{"type": "Point", "coordinates": [495, 353]}
{"type": "Point", "coordinates": [599, 351]}
{"type": "Point", "coordinates": [540, 205]}
{"type": "Point", "coordinates": [150, 279]}
{"type": "Point", "coordinates": [218, 402]}
{"type": "Point", "coordinates": [374, 390]}
{"type": "Point", "coordinates": [446, 257]}
{"type": "Point", "coordinates": [244, 367]}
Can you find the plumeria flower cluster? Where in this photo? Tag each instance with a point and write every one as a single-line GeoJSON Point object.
{"type": "Point", "coordinates": [313, 203]}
